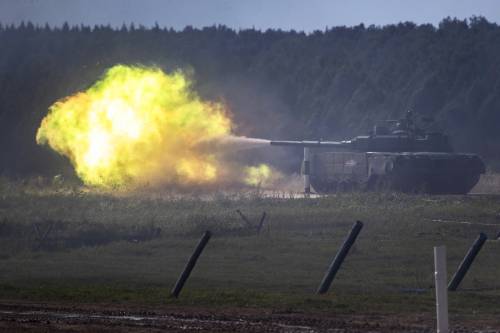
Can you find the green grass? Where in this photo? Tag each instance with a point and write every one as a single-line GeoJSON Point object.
{"type": "Point", "coordinates": [96, 253]}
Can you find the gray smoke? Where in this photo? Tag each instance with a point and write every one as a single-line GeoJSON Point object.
{"type": "Point", "coordinates": [233, 143]}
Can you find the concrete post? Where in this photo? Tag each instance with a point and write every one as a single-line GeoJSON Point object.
{"type": "Point", "coordinates": [441, 291]}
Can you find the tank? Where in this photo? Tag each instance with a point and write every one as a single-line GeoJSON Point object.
{"type": "Point", "coordinates": [397, 155]}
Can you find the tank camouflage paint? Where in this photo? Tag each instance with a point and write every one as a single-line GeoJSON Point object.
{"type": "Point", "coordinates": [400, 157]}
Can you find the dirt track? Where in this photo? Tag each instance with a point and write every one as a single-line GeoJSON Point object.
{"type": "Point", "coordinates": [35, 317]}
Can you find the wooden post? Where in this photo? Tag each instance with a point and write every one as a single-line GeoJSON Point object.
{"type": "Point", "coordinates": [42, 238]}
{"type": "Point", "coordinates": [467, 262]}
{"type": "Point", "coordinates": [244, 218]}
{"type": "Point", "coordinates": [190, 264]}
{"type": "Point", "coordinates": [339, 258]}
{"type": "Point", "coordinates": [261, 223]}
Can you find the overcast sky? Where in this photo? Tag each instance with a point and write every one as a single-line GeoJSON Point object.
{"type": "Point", "coordinates": [305, 15]}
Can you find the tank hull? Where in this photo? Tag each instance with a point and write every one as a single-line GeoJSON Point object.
{"type": "Point", "coordinates": [411, 172]}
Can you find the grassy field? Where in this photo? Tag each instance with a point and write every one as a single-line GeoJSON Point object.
{"type": "Point", "coordinates": [118, 247]}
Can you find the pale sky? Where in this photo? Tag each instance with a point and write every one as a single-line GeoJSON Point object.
{"type": "Point", "coordinates": [307, 15]}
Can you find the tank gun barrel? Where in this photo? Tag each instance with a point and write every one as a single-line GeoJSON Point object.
{"type": "Point", "coordinates": [312, 144]}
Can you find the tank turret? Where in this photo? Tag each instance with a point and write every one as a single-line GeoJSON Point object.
{"type": "Point", "coordinates": [394, 136]}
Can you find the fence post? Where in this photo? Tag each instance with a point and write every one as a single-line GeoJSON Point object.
{"type": "Point", "coordinates": [244, 218]}
{"type": "Point", "coordinates": [441, 291]}
{"type": "Point", "coordinates": [339, 258]}
{"type": "Point", "coordinates": [261, 223]}
{"type": "Point", "coordinates": [190, 264]}
{"type": "Point", "coordinates": [467, 262]}
{"type": "Point", "coordinates": [306, 171]}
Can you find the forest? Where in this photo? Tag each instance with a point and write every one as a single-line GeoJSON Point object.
{"type": "Point", "coordinates": [329, 84]}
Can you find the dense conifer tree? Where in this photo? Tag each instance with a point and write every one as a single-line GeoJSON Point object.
{"type": "Point", "coordinates": [327, 84]}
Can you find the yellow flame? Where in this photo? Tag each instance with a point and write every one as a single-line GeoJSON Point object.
{"type": "Point", "coordinates": [134, 125]}
{"type": "Point", "coordinates": [261, 174]}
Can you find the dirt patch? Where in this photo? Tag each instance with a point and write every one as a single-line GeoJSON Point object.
{"type": "Point", "coordinates": [488, 184]}
{"type": "Point", "coordinates": [37, 317]}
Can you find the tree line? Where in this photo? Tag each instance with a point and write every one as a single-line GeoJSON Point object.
{"type": "Point", "coordinates": [330, 84]}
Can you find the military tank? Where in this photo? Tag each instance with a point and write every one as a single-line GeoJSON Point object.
{"type": "Point", "coordinates": [397, 155]}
